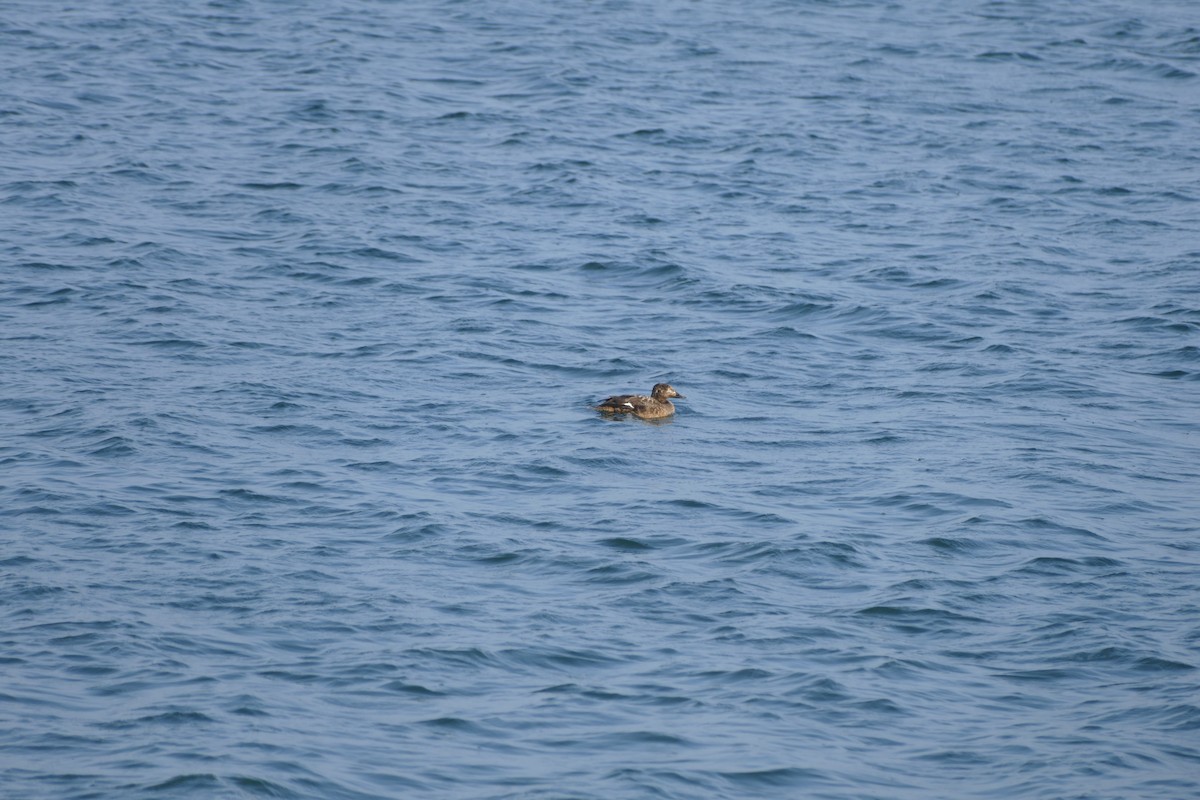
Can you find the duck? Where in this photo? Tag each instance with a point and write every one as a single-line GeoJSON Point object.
{"type": "Point", "coordinates": [656, 406]}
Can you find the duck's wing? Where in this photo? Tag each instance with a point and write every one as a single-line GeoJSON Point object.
{"type": "Point", "coordinates": [622, 403]}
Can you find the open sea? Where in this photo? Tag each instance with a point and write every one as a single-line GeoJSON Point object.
{"type": "Point", "coordinates": [304, 306]}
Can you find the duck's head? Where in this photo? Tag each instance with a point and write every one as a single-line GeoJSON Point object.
{"type": "Point", "coordinates": [662, 391]}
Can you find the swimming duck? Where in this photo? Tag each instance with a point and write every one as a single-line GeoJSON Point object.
{"type": "Point", "coordinates": [655, 406]}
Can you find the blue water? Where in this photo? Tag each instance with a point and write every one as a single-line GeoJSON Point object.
{"type": "Point", "coordinates": [303, 304]}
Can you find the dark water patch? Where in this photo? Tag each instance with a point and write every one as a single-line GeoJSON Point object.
{"type": "Point", "coordinates": [257, 787]}
{"type": "Point", "coordinates": [781, 777]}
{"type": "Point", "coordinates": [918, 617]}
{"type": "Point", "coordinates": [620, 575]}
{"type": "Point", "coordinates": [168, 718]}
{"type": "Point", "coordinates": [1057, 565]}
{"type": "Point", "coordinates": [1154, 664]}
{"type": "Point", "coordinates": [627, 544]}
{"type": "Point", "coordinates": [405, 688]}
{"type": "Point", "coordinates": [953, 545]}
{"type": "Point", "coordinates": [205, 782]}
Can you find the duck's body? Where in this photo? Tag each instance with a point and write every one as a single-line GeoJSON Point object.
{"type": "Point", "coordinates": [656, 406]}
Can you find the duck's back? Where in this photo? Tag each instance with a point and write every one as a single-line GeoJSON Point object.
{"type": "Point", "coordinates": [637, 404]}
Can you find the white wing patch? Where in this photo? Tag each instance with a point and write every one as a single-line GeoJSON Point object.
{"type": "Point", "coordinates": [628, 405]}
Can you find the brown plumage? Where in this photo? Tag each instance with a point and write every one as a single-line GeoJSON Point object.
{"type": "Point", "coordinates": [657, 405]}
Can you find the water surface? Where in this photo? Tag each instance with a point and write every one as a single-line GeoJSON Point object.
{"type": "Point", "coordinates": [302, 307]}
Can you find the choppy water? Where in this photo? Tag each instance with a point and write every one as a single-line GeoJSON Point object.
{"type": "Point", "coordinates": [303, 305]}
